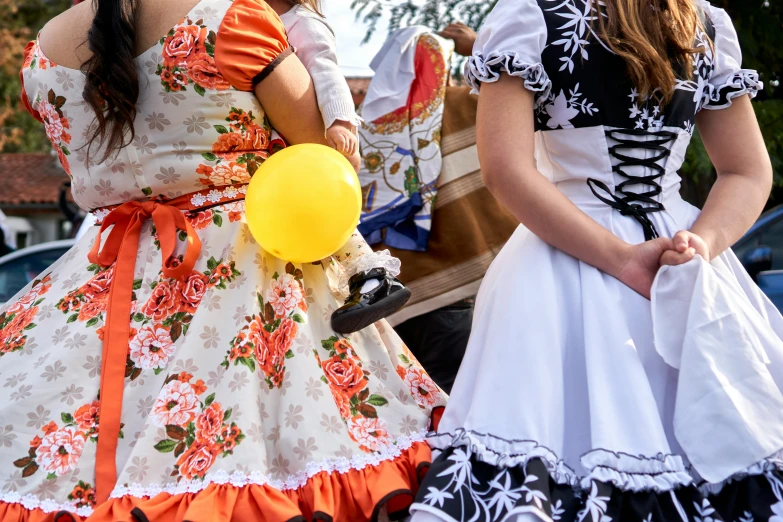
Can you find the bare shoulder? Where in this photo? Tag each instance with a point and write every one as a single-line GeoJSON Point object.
{"type": "Point", "coordinates": [63, 37]}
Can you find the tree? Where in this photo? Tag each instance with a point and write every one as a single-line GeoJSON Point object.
{"type": "Point", "coordinates": [758, 25]}
{"type": "Point", "coordinates": [20, 21]}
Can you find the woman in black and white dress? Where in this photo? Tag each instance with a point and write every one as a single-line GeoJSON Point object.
{"type": "Point", "coordinates": [563, 409]}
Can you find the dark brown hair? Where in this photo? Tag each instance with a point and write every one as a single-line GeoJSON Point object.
{"type": "Point", "coordinates": [656, 40]}
{"type": "Point", "coordinates": [112, 81]}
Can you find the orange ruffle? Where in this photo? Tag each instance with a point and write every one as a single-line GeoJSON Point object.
{"type": "Point", "coordinates": [250, 38]}
{"type": "Point", "coordinates": [353, 496]}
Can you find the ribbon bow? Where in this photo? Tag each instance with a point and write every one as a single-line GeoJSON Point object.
{"type": "Point", "coordinates": [121, 247]}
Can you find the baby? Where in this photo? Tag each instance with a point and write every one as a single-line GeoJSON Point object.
{"type": "Point", "coordinates": [370, 277]}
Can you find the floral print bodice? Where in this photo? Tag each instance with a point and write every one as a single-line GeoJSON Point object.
{"type": "Point", "coordinates": [194, 130]}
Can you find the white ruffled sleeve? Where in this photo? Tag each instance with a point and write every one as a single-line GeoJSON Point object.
{"type": "Point", "coordinates": [511, 41]}
{"type": "Point", "coordinates": [729, 80]}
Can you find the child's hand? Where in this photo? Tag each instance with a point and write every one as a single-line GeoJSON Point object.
{"type": "Point", "coordinates": [342, 138]}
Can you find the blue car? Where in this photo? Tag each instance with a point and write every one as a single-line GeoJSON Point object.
{"type": "Point", "coordinates": [761, 252]}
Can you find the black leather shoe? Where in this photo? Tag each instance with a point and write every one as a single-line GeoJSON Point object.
{"type": "Point", "coordinates": [363, 309]}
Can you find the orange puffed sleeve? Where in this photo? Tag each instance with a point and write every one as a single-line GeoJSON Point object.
{"type": "Point", "coordinates": [250, 43]}
{"type": "Point", "coordinates": [29, 52]}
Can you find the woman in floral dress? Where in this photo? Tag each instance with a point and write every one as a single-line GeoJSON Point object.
{"type": "Point", "coordinates": [167, 368]}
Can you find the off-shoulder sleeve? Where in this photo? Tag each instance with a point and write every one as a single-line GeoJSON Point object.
{"type": "Point", "coordinates": [29, 56]}
{"type": "Point", "coordinates": [729, 80]}
{"type": "Point", "coordinates": [511, 41]}
{"type": "Point", "coordinates": [251, 42]}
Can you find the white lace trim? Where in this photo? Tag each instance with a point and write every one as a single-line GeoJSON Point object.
{"type": "Point", "coordinates": [256, 478]}
{"type": "Point", "coordinates": [629, 473]}
{"type": "Point", "coordinates": [380, 259]}
{"type": "Point", "coordinates": [486, 69]}
{"type": "Point", "coordinates": [236, 479]}
{"type": "Point", "coordinates": [46, 505]}
{"type": "Point", "coordinates": [216, 195]}
{"type": "Point", "coordinates": [744, 81]}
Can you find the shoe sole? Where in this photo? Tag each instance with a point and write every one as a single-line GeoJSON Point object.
{"type": "Point", "coordinates": [351, 322]}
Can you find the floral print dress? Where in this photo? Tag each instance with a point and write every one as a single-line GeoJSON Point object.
{"type": "Point", "coordinates": [233, 395]}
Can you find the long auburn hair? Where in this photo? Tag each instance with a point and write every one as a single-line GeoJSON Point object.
{"type": "Point", "coordinates": [656, 40]}
{"type": "Point", "coordinates": [313, 5]}
{"type": "Point", "coordinates": [112, 81]}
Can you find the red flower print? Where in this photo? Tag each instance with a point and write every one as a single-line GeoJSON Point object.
{"type": "Point", "coordinates": [285, 296]}
{"type": "Point", "coordinates": [50, 428]}
{"type": "Point", "coordinates": [283, 337]}
{"type": "Point", "coordinates": [86, 417]}
{"type": "Point", "coordinates": [229, 142]}
{"type": "Point", "coordinates": [235, 211]}
{"type": "Point", "coordinates": [256, 139]}
{"type": "Point", "coordinates": [60, 450]}
{"type": "Point", "coordinates": [209, 422]}
{"type": "Point", "coordinates": [184, 377]}
{"type": "Point", "coordinates": [197, 460]}
{"type": "Point", "coordinates": [229, 174]}
{"type": "Point", "coordinates": [192, 291]}
{"type": "Point", "coordinates": [174, 80]}
{"type": "Point", "coordinates": [343, 346]}
{"type": "Point", "coordinates": [370, 434]}
{"type": "Point", "coordinates": [63, 161]}
{"type": "Point", "coordinates": [151, 348]}
{"type": "Point", "coordinates": [343, 403]}
{"type": "Point", "coordinates": [162, 302]}
{"type": "Point", "coordinates": [200, 220]}
{"type": "Point", "coordinates": [344, 375]}
{"type": "Point", "coordinates": [176, 405]}
{"type": "Point", "coordinates": [15, 328]}
{"type": "Point", "coordinates": [239, 119]}
{"type": "Point", "coordinates": [184, 43]}
{"type": "Point", "coordinates": [423, 389]}
{"type": "Point", "coordinates": [31, 296]}
{"type": "Point", "coordinates": [203, 71]}
{"type": "Point", "coordinates": [83, 495]}
{"type": "Point", "coordinates": [93, 308]}
{"type": "Point", "coordinates": [98, 285]}
{"type": "Point", "coordinates": [36, 442]}
{"type": "Point", "coordinates": [199, 387]}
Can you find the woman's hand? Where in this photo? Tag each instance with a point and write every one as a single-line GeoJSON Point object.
{"type": "Point", "coordinates": [685, 246]}
{"type": "Point", "coordinates": [642, 264]}
{"type": "Point", "coordinates": [464, 37]}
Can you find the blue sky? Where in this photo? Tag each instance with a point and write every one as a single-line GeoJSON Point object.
{"type": "Point", "coordinates": [354, 58]}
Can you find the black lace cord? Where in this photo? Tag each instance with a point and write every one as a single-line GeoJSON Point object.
{"type": "Point", "coordinates": [637, 205]}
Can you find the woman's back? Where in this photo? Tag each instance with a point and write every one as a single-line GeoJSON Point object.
{"type": "Point", "coordinates": [193, 129]}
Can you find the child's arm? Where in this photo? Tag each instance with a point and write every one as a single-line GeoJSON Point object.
{"type": "Point", "coordinates": [316, 48]}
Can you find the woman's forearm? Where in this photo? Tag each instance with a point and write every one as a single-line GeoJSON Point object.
{"type": "Point", "coordinates": [551, 216]}
{"type": "Point", "coordinates": [732, 207]}
{"type": "Point", "coordinates": [506, 150]}
{"type": "Point", "coordinates": [734, 143]}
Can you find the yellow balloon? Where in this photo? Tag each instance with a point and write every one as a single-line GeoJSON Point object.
{"type": "Point", "coordinates": [303, 203]}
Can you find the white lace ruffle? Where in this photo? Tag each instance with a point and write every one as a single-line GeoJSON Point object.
{"type": "Point", "coordinates": [504, 453]}
{"type": "Point", "coordinates": [380, 259]}
{"type": "Point", "coordinates": [236, 479]}
{"type": "Point", "coordinates": [486, 69]}
{"type": "Point", "coordinates": [660, 474]}
{"type": "Point", "coordinates": [744, 81]}
{"type": "Point", "coordinates": [774, 463]}
{"type": "Point", "coordinates": [46, 505]}
{"type": "Point", "coordinates": [629, 473]}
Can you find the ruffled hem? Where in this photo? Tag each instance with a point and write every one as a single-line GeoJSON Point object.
{"type": "Point", "coordinates": [742, 82]}
{"type": "Point", "coordinates": [487, 69]}
{"type": "Point", "coordinates": [357, 494]}
{"type": "Point", "coordinates": [482, 477]}
{"type": "Point", "coordinates": [770, 465]}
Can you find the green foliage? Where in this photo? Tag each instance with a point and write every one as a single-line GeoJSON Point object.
{"type": "Point", "coordinates": [20, 21]}
{"type": "Point", "coordinates": [758, 26]}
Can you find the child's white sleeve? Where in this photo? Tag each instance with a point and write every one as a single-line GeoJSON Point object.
{"type": "Point", "coordinates": [316, 48]}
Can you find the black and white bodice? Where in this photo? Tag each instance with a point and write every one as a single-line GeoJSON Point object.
{"type": "Point", "coordinates": [593, 125]}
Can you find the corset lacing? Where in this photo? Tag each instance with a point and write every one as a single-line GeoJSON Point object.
{"type": "Point", "coordinates": [636, 204]}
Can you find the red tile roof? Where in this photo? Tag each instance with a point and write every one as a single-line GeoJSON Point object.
{"type": "Point", "coordinates": [358, 89]}
{"type": "Point", "coordinates": [30, 180]}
